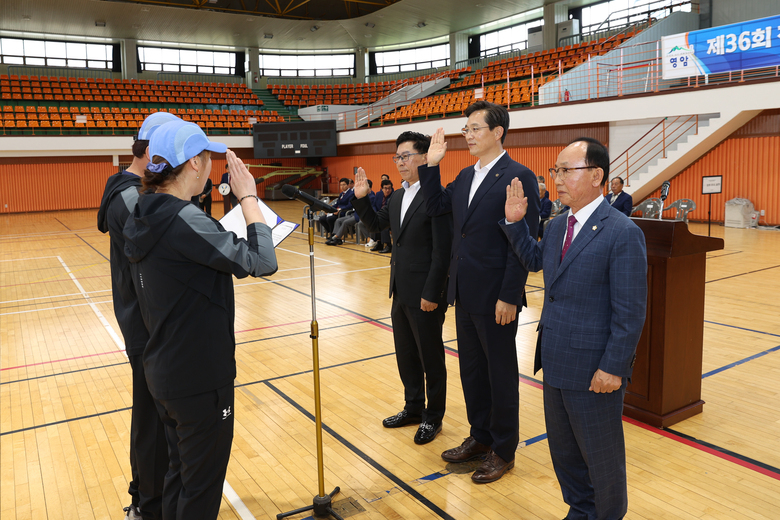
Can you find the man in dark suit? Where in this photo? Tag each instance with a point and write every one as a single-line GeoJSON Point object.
{"type": "Point", "coordinates": [487, 285]}
{"type": "Point", "coordinates": [619, 199]}
{"type": "Point", "coordinates": [595, 279]}
{"type": "Point", "coordinates": [342, 205]}
{"type": "Point", "coordinates": [418, 274]}
{"type": "Point", "coordinates": [545, 207]}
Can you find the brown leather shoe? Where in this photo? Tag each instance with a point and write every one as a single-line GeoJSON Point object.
{"type": "Point", "coordinates": [469, 450]}
{"type": "Point", "coordinates": [492, 469]}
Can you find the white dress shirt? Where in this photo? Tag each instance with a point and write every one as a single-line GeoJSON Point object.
{"type": "Point", "coordinates": [410, 190]}
{"type": "Point", "coordinates": [582, 216]}
{"type": "Point", "coordinates": [480, 173]}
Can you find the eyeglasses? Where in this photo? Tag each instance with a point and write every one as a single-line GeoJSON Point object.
{"type": "Point", "coordinates": [403, 157]}
{"type": "Point", "coordinates": [474, 129]}
{"type": "Point", "coordinates": [564, 173]}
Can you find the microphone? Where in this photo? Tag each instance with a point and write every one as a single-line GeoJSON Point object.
{"type": "Point", "coordinates": [315, 204]}
{"type": "Point", "coordinates": [665, 190]}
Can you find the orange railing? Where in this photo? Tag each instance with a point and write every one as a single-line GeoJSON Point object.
{"type": "Point", "coordinates": [653, 144]}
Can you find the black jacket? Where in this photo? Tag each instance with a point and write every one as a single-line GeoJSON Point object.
{"type": "Point", "coordinates": [421, 247]}
{"type": "Point", "coordinates": [119, 198]}
{"type": "Point", "coordinates": [182, 262]}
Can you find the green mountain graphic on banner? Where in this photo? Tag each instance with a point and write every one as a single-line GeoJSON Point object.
{"type": "Point", "coordinates": [678, 48]}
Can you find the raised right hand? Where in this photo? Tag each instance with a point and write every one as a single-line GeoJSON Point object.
{"type": "Point", "coordinates": [241, 181]}
{"type": "Point", "coordinates": [516, 202]}
{"type": "Point", "coordinates": [361, 184]}
{"type": "Point", "coordinates": [437, 148]}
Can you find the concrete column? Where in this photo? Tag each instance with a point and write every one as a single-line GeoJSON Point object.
{"type": "Point", "coordinates": [459, 48]}
{"type": "Point", "coordinates": [553, 14]}
{"type": "Point", "coordinates": [361, 64]}
{"type": "Point", "coordinates": [129, 59]}
{"type": "Point", "coordinates": [254, 67]}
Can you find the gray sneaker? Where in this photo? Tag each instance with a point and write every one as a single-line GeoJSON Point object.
{"type": "Point", "coordinates": [132, 513]}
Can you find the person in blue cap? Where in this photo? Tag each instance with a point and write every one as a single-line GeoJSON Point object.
{"type": "Point", "coordinates": [182, 263]}
{"type": "Point", "coordinates": [148, 449]}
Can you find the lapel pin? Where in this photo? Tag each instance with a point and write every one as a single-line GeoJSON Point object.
{"type": "Point", "coordinates": [594, 228]}
{"type": "Point", "coordinates": [496, 175]}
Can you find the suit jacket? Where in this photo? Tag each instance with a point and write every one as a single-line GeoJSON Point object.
{"type": "Point", "coordinates": [421, 247]}
{"type": "Point", "coordinates": [546, 206]}
{"type": "Point", "coordinates": [623, 204]}
{"type": "Point", "coordinates": [483, 268]}
{"type": "Point", "coordinates": [594, 301]}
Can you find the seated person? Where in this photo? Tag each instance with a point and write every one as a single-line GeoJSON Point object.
{"type": "Point", "coordinates": [382, 241]}
{"type": "Point", "coordinates": [346, 223]}
{"type": "Point", "coordinates": [342, 205]}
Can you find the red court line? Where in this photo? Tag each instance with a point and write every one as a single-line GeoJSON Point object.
{"type": "Point", "coordinates": [59, 360]}
{"type": "Point", "coordinates": [114, 351]}
{"type": "Point", "coordinates": [705, 449]}
{"type": "Point", "coordinates": [372, 322]}
{"type": "Point", "coordinates": [293, 323]}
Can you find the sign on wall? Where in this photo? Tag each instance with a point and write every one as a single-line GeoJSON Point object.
{"type": "Point", "coordinates": [739, 46]}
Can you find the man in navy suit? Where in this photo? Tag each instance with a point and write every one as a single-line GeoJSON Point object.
{"type": "Point", "coordinates": [595, 279]}
{"type": "Point", "coordinates": [487, 284]}
{"type": "Point", "coordinates": [418, 274]}
{"type": "Point", "coordinates": [342, 205]}
{"type": "Point", "coordinates": [619, 199]}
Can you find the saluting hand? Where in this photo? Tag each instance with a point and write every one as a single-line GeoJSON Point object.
{"type": "Point", "coordinates": [437, 148]}
{"type": "Point", "coordinates": [516, 202]}
{"type": "Point", "coordinates": [361, 184]}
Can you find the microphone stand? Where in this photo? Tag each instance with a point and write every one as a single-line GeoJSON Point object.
{"type": "Point", "coordinates": [322, 503]}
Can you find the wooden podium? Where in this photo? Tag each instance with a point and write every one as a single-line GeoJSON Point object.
{"type": "Point", "coordinates": [666, 384]}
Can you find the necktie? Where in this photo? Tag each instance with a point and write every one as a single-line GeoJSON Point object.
{"type": "Point", "coordinates": [569, 235]}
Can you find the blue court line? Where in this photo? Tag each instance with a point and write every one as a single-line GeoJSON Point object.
{"type": "Point", "coordinates": [742, 328]}
{"type": "Point", "coordinates": [741, 361]}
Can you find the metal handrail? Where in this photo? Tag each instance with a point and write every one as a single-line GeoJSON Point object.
{"type": "Point", "coordinates": [643, 150]}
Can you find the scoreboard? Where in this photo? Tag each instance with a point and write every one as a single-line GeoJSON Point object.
{"type": "Point", "coordinates": [295, 139]}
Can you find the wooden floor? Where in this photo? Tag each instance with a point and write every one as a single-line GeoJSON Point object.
{"type": "Point", "coordinates": [65, 392]}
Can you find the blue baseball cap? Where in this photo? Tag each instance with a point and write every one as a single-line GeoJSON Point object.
{"type": "Point", "coordinates": [152, 122]}
{"type": "Point", "coordinates": [178, 141]}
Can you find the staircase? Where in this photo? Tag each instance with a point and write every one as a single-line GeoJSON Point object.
{"type": "Point", "coordinates": [270, 102]}
{"type": "Point", "coordinates": [673, 145]}
{"type": "Point", "coordinates": [349, 118]}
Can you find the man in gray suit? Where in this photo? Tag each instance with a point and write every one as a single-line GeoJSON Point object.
{"type": "Point", "coordinates": [418, 274]}
{"type": "Point", "coordinates": [595, 278]}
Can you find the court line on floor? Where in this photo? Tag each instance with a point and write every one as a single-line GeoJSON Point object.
{"type": "Point", "coordinates": [712, 449]}
{"type": "Point", "coordinates": [371, 462]}
{"type": "Point", "coordinates": [56, 308]}
{"type": "Point", "coordinates": [740, 362]}
{"type": "Point", "coordinates": [27, 259]}
{"type": "Point", "coordinates": [102, 319]}
{"type": "Point", "coordinates": [743, 274]}
{"type": "Point", "coordinates": [114, 351]}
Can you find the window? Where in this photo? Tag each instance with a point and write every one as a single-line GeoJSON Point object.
{"type": "Point", "coordinates": [187, 60]}
{"type": "Point", "coordinates": [618, 13]}
{"type": "Point", "coordinates": [14, 51]}
{"type": "Point", "coordinates": [513, 38]}
{"type": "Point", "coordinates": [405, 60]}
{"type": "Point", "coordinates": [307, 65]}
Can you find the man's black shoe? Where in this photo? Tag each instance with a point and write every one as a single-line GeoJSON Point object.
{"type": "Point", "coordinates": [401, 419]}
{"type": "Point", "coordinates": [377, 247]}
{"type": "Point", "coordinates": [427, 432]}
{"type": "Point", "coordinates": [387, 249]}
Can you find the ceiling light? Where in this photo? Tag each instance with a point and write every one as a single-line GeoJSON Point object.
{"type": "Point", "coordinates": [26, 18]}
{"type": "Point", "coordinates": [100, 23]}
{"type": "Point", "coordinates": [370, 25]}
{"type": "Point", "coordinates": [268, 36]}
{"type": "Point", "coordinates": [144, 9]}
{"type": "Point", "coordinates": [314, 28]}
{"type": "Point", "coordinates": [367, 35]}
{"type": "Point", "coordinates": [421, 25]}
